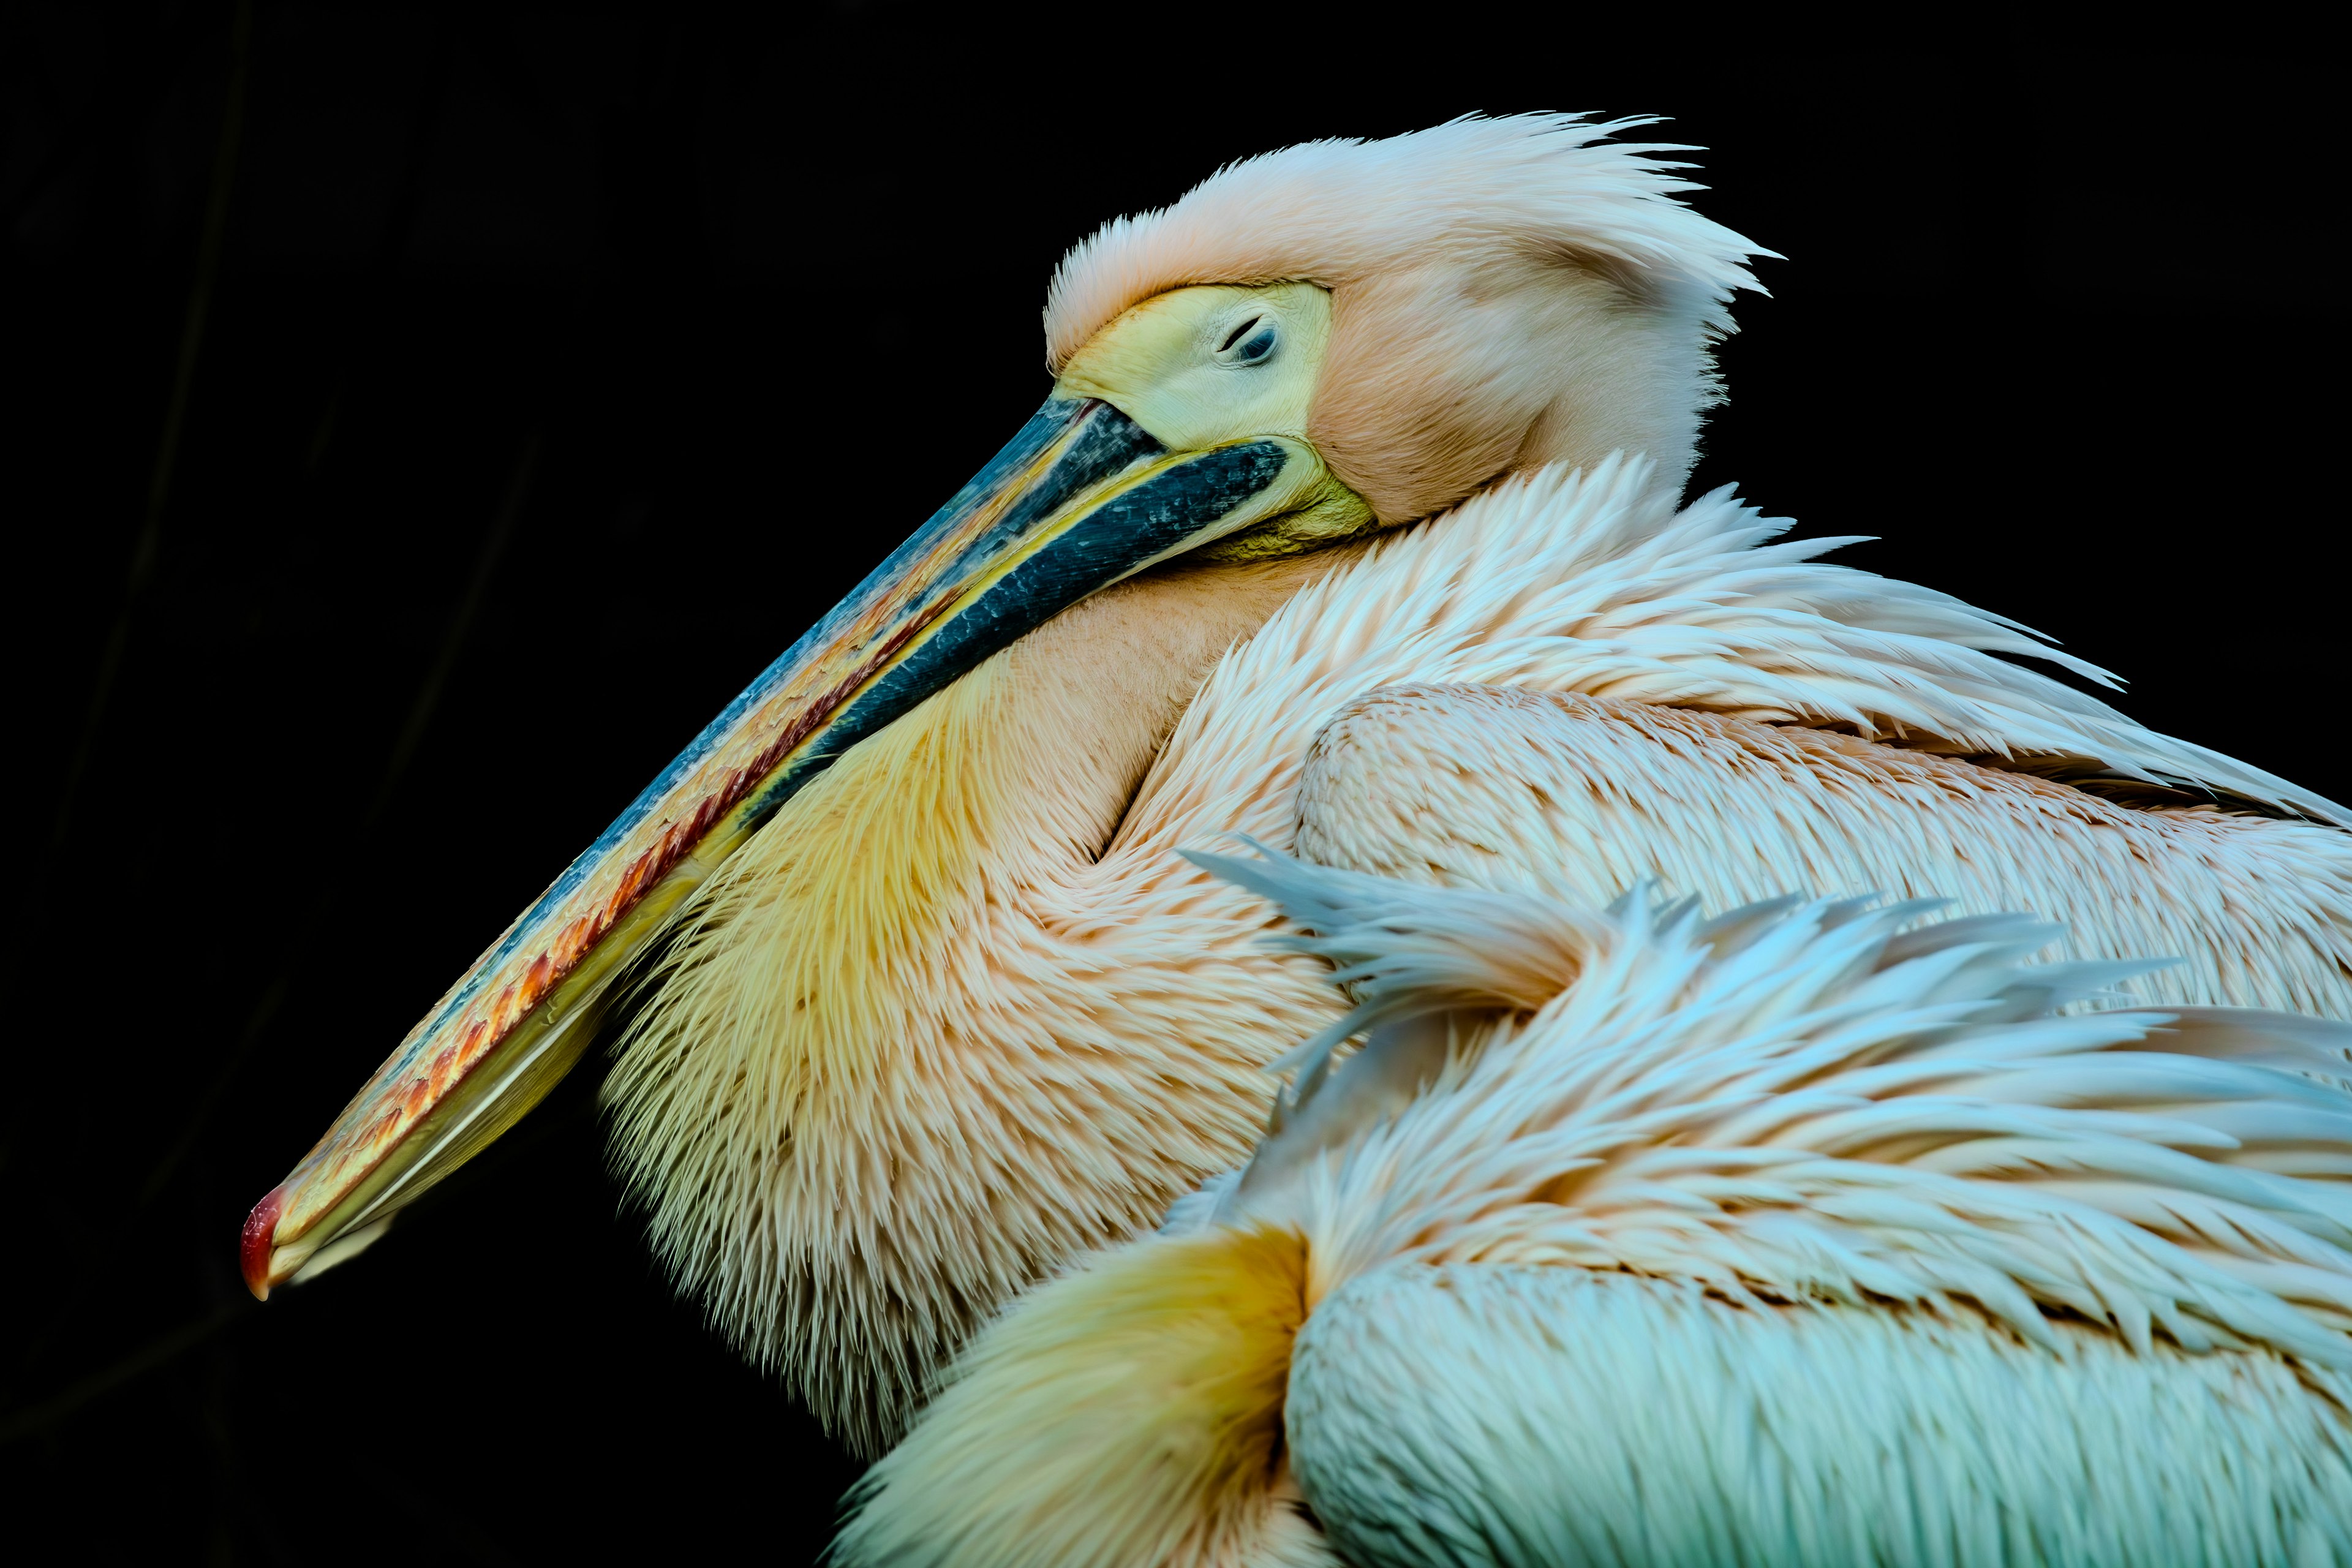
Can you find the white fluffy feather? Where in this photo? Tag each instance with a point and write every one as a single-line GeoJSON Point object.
{"type": "Point", "coordinates": [1599, 583]}
{"type": "Point", "coordinates": [1805, 1235]}
{"type": "Point", "coordinates": [1042, 1050]}
{"type": "Point", "coordinates": [1335, 212]}
{"type": "Point", "coordinates": [1804, 1238]}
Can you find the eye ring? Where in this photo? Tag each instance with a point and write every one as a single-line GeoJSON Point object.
{"type": "Point", "coordinates": [1252, 340]}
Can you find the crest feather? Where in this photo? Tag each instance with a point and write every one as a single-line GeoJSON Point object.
{"type": "Point", "coordinates": [1335, 212]}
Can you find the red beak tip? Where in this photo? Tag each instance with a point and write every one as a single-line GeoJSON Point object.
{"type": "Point", "coordinates": [260, 1239]}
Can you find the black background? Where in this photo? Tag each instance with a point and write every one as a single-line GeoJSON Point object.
{"type": "Point", "coordinates": [560, 365]}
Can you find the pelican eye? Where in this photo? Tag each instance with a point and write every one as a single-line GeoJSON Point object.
{"type": "Point", "coordinates": [1249, 342]}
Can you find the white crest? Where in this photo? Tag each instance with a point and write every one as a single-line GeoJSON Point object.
{"type": "Point", "coordinates": [1335, 212]}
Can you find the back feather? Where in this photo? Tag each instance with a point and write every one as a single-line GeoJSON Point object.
{"type": "Point", "coordinates": [1826, 1101]}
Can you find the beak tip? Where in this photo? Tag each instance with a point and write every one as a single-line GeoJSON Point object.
{"type": "Point", "coordinates": [258, 1241]}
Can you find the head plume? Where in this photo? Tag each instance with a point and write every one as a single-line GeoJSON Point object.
{"type": "Point", "coordinates": [1485, 276]}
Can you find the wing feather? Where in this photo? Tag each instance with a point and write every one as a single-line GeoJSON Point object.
{"type": "Point", "coordinates": [1560, 1416]}
{"type": "Point", "coordinates": [1581, 798]}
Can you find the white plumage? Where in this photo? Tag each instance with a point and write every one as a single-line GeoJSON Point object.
{"type": "Point", "coordinates": [1581, 798]}
{"type": "Point", "coordinates": [1472, 196]}
{"type": "Point", "coordinates": [1060, 1025]}
{"type": "Point", "coordinates": [1809, 1234]}
{"type": "Point", "coordinates": [1352, 525]}
{"type": "Point", "coordinates": [1858, 1227]}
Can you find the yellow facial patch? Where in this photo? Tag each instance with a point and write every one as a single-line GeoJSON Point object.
{"type": "Point", "coordinates": [1199, 367]}
{"type": "Point", "coordinates": [1206, 366]}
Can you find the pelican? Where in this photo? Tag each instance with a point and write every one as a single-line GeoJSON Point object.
{"type": "Point", "coordinates": [1808, 1234]}
{"type": "Point", "coordinates": [1352, 523]}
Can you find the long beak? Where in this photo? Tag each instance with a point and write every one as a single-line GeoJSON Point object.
{"type": "Point", "coordinates": [1080, 499]}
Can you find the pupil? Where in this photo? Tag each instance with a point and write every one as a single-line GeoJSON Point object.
{"type": "Point", "coordinates": [1259, 346]}
{"type": "Point", "coordinates": [1235, 335]}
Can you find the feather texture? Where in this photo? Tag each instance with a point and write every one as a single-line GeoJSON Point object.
{"type": "Point", "coordinates": [1581, 798]}
{"type": "Point", "coordinates": [962, 1009]}
{"type": "Point", "coordinates": [1564, 1417]}
{"type": "Point", "coordinates": [1336, 212]}
{"type": "Point", "coordinates": [1505, 294]}
{"type": "Point", "coordinates": [1599, 583]}
{"type": "Point", "coordinates": [1807, 1234]}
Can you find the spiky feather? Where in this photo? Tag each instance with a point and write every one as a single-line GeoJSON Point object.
{"type": "Point", "coordinates": [1805, 1234]}
{"type": "Point", "coordinates": [1036, 1025]}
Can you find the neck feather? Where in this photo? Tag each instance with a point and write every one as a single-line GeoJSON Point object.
{"type": "Point", "coordinates": [1436, 385]}
{"type": "Point", "coordinates": [899, 1062]}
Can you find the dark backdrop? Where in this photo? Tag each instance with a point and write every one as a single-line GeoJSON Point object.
{"type": "Point", "coordinates": [524, 379]}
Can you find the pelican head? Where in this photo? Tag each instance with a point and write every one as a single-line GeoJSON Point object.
{"type": "Point", "coordinates": [1311, 346]}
